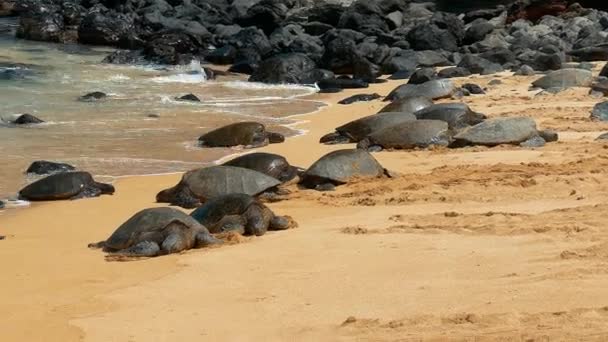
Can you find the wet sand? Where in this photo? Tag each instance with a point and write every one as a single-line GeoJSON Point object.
{"type": "Point", "coordinates": [477, 243]}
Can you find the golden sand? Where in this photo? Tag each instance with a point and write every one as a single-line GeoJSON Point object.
{"type": "Point", "coordinates": [477, 243]}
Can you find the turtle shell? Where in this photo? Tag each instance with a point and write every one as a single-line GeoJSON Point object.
{"type": "Point", "coordinates": [434, 89]}
{"type": "Point", "coordinates": [149, 224]}
{"type": "Point", "coordinates": [240, 133]}
{"type": "Point", "coordinates": [457, 115]}
{"type": "Point", "coordinates": [407, 105]}
{"type": "Point", "coordinates": [216, 208]}
{"type": "Point", "coordinates": [343, 165]}
{"type": "Point", "coordinates": [57, 186]}
{"type": "Point", "coordinates": [271, 164]}
{"type": "Point", "coordinates": [215, 181]}
{"type": "Point", "coordinates": [419, 133]}
{"type": "Point", "coordinates": [358, 129]}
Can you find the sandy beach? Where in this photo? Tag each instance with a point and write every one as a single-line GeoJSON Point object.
{"type": "Point", "coordinates": [477, 243]}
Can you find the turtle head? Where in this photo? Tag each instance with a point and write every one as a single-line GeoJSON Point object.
{"type": "Point", "coordinates": [179, 195]}
{"type": "Point", "coordinates": [275, 138]}
{"type": "Point", "coordinates": [107, 189]}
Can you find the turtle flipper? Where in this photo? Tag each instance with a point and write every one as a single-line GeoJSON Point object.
{"type": "Point", "coordinates": [185, 199]}
{"type": "Point", "coordinates": [204, 239]}
{"type": "Point", "coordinates": [233, 223]}
{"type": "Point", "coordinates": [86, 192]}
{"type": "Point", "coordinates": [97, 245]}
{"type": "Point", "coordinates": [280, 223]}
{"type": "Point", "coordinates": [144, 249]}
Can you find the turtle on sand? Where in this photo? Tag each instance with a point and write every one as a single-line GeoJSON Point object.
{"type": "Point", "coordinates": [408, 135]}
{"type": "Point", "coordinates": [199, 185]}
{"type": "Point", "coordinates": [340, 167]}
{"type": "Point", "coordinates": [457, 115]}
{"type": "Point", "coordinates": [434, 89]}
{"type": "Point", "coordinates": [248, 134]}
{"type": "Point", "coordinates": [239, 212]}
{"type": "Point", "coordinates": [498, 131]}
{"type": "Point", "coordinates": [43, 167]}
{"type": "Point", "coordinates": [156, 231]}
{"type": "Point", "coordinates": [270, 164]}
{"type": "Point", "coordinates": [65, 185]}
{"type": "Point", "coordinates": [357, 130]}
{"type": "Point", "coordinates": [407, 105]}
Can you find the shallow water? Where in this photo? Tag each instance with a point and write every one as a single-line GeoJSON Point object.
{"type": "Point", "coordinates": [115, 137]}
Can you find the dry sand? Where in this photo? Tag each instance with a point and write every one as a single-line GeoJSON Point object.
{"type": "Point", "coordinates": [478, 243]}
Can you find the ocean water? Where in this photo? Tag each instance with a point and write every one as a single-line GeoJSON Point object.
{"type": "Point", "coordinates": [116, 136]}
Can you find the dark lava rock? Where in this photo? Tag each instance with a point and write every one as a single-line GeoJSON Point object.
{"type": "Point", "coordinates": [94, 96]}
{"type": "Point", "coordinates": [400, 75]}
{"type": "Point", "coordinates": [592, 53]}
{"type": "Point", "coordinates": [453, 72]}
{"type": "Point", "coordinates": [189, 97]}
{"type": "Point", "coordinates": [525, 70]}
{"type": "Point", "coordinates": [359, 97]}
{"type": "Point", "coordinates": [479, 65]}
{"type": "Point", "coordinates": [422, 75]}
{"type": "Point", "coordinates": [99, 29]}
{"type": "Point", "coordinates": [330, 90]}
{"type": "Point", "coordinates": [604, 71]}
{"type": "Point", "coordinates": [600, 86]}
{"type": "Point", "coordinates": [283, 68]}
{"type": "Point", "coordinates": [342, 83]}
{"type": "Point", "coordinates": [25, 119]}
{"type": "Point", "coordinates": [222, 56]}
{"type": "Point", "coordinates": [42, 167]}
{"type": "Point", "coordinates": [600, 111]}
{"type": "Point", "coordinates": [473, 88]}
{"type": "Point", "coordinates": [478, 31]}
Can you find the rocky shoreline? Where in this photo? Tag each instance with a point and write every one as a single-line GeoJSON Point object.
{"type": "Point", "coordinates": [305, 41]}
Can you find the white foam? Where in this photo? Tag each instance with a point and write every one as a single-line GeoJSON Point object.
{"type": "Point", "coordinates": [309, 89]}
{"type": "Point", "coordinates": [118, 78]}
{"type": "Point", "coordinates": [181, 78]}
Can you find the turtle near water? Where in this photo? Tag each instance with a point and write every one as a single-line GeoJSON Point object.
{"type": "Point", "coordinates": [199, 185]}
{"type": "Point", "coordinates": [357, 130]}
{"type": "Point", "coordinates": [340, 167]}
{"type": "Point", "coordinates": [270, 164]}
{"type": "Point", "coordinates": [248, 134]}
{"type": "Point", "coordinates": [241, 213]}
{"type": "Point", "coordinates": [65, 185]}
{"type": "Point", "coordinates": [156, 231]}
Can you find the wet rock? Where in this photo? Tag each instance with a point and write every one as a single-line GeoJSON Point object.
{"type": "Point", "coordinates": [400, 75]}
{"type": "Point", "coordinates": [283, 68]}
{"type": "Point", "coordinates": [189, 97]}
{"type": "Point", "coordinates": [342, 83]}
{"type": "Point", "coordinates": [104, 29]}
{"type": "Point", "coordinates": [423, 75]}
{"type": "Point", "coordinates": [604, 71]}
{"type": "Point", "coordinates": [473, 88]}
{"type": "Point", "coordinates": [592, 53]}
{"type": "Point", "coordinates": [498, 131]}
{"type": "Point", "coordinates": [94, 96]}
{"type": "Point", "coordinates": [359, 97]}
{"type": "Point", "coordinates": [601, 86]}
{"type": "Point", "coordinates": [453, 72]}
{"type": "Point", "coordinates": [565, 78]}
{"type": "Point", "coordinates": [477, 31]}
{"type": "Point", "coordinates": [600, 111]}
{"type": "Point", "coordinates": [26, 119]}
{"type": "Point", "coordinates": [124, 57]}
{"type": "Point", "coordinates": [222, 56]}
{"type": "Point", "coordinates": [42, 167]}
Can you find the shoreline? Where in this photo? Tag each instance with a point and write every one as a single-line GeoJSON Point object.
{"type": "Point", "coordinates": [383, 252]}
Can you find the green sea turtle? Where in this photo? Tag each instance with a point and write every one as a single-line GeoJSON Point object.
{"type": "Point", "coordinates": [199, 185]}
{"type": "Point", "coordinates": [457, 115]}
{"type": "Point", "coordinates": [498, 131]}
{"type": "Point", "coordinates": [340, 167]}
{"type": "Point", "coordinates": [565, 78]}
{"type": "Point", "coordinates": [408, 135]}
{"type": "Point", "coordinates": [357, 130]}
{"type": "Point", "coordinates": [407, 105]}
{"type": "Point", "coordinates": [248, 134]}
{"type": "Point", "coordinates": [435, 89]}
{"type": "Point", "coordinates": [65, 185]}
{"type": "Point", "coordinates": [156, 231]}
{"type": "Point", "coordinates": [238, 212]}
{"type": "Point", "coordinates": [270, 164]}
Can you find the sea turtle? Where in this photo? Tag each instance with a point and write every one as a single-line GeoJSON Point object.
{"type": "Point", "coordinates": [408, 135]}
{"type": "Point", "coordinates": [340, 167]}
{"type": "Point", "coordinates": [65, 185]}
{"type": "Point", "coordinates": [156, 231]}
{"type": "Point", "coordinates": [94, 96]}
{"type": "Point", "coordinates": [407, 105]}
{"type": "Point", "coordinates": [270, 164]}
{"type": "Point", "coordinates": [435, 89]}
{"type": "Point", "coordinates": [498, 131]}
{"type": "Point", "coordinates": [357, 130]}
{"type": "Point", "coordinates": [199, 185]}
{"type": "Point", "coordinates": [249, 134]}
{"type": "Point", "coordinates": [43, 167]}
{"type": "Point", "coordinates": [565, 78]}
{"type": "Point", "coordinates": [457, 115]}
{"type": "Point", "coordinates": [238, 212]}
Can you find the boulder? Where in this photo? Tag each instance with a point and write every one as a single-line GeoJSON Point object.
{"type": "Point", "coordinates": [479, 65]}
{"type": "Point", "coordinates": [422, 75]}
{"type": "Point", "coordinates": [223, 55]}
{"type": "Point", "coordinates": [600, 111]}
{"type": "Point", "coordinates": [283, 68]}
{"type": "Point", "coordinates": [103, 29]}
{"type": "Point", "coordinates": [26, 119]}
{"type": "Point", "coordinates": [453, 72]}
